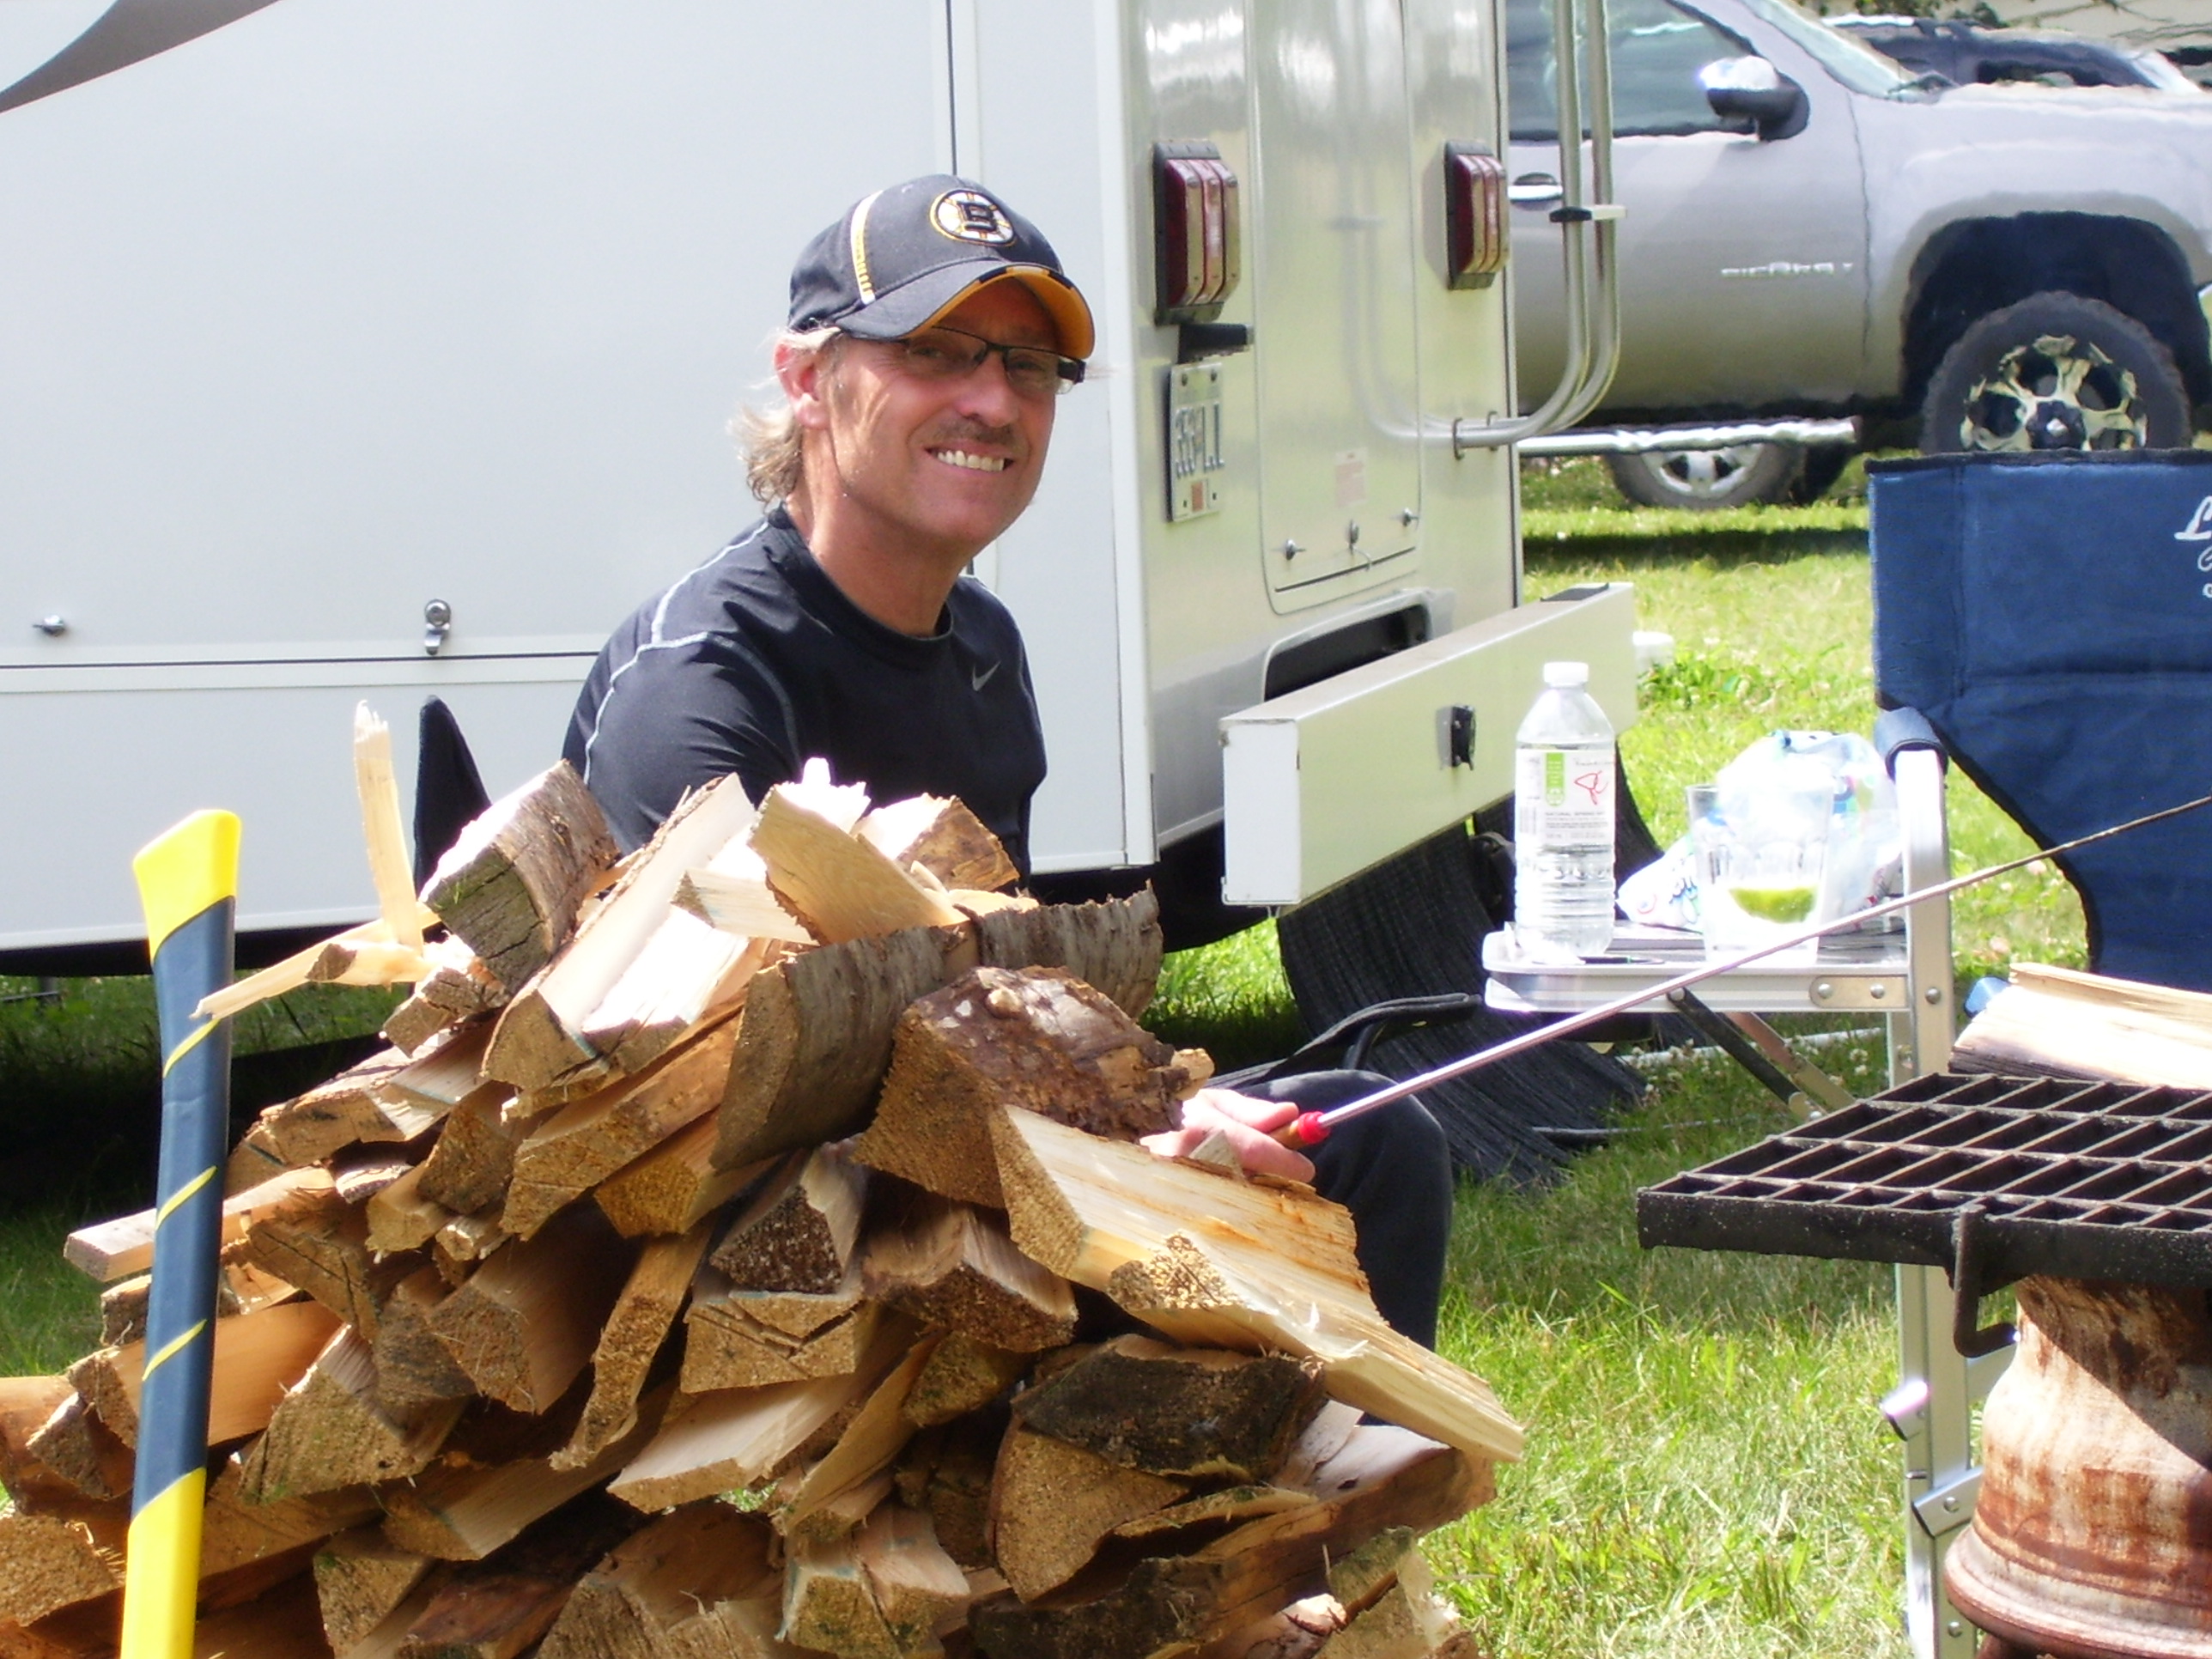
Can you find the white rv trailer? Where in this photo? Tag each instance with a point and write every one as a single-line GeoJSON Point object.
{"type": "Point", "coordinates": [379, 349]}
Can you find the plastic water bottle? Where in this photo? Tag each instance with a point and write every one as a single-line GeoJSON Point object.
{"type": "Point", "coordinates": [1563, 782]}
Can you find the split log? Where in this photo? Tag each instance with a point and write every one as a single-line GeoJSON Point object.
{"type": "Point", "coordinates": [2057, 1022]}
{"type": "Point", "coordinates": [917, 1588]}
{"type": "Point", "coordinates": [464, 1240]}
{"type": "Point", "coordinates": [81, 1453]}
{"type": "Point", "coordinates": [727, 1346]}
{"type": "Point", "coordinates": [815, 1040]}
{"type": "Point", "coordinates": [798, 1232]}
{"type": "Point", "coordinates": [27, 1404]}
{"type": "Point", "coordinates": [720, 1442]}
{"type": "Point", "coordinates": [498, 1607]}
{"type": "Point", "coordinates": [699, 1582]}
{"type": "Point", "coordinates": [360, 1578]}
{"type": "Point", "coordinates": [827, 1605]}
{"type": "Point", "coordinates": [295, 970]}
{"type": "Point", "coordinates": [458, 988]}
{"type": "Point", "coordinates": [539, 1037]}
{"type": "Point", "coordinates": [1172, 1531]}
{"type": "Point", "coordinates": [378, 788]}
{"type": "Point", "coordinates": [360, 1173]}
{"type": "Point", "coordinates": [54, 1563]}
{"type": "Point", "coordinates": [1216, 1261]}
{"type": "Point", "coordinates": [512, 886]}
{"type": "Point", "coordinates": [633, 1336]}
{"type": "Point", "coordinates": [1397, 1614]}
{"type": "Point", "coordinates": [385, 1640]}
{"type": "Point", "coordinates": [419, 1095]}
{"type": "Point", "coordinates": [258, 1356]}
{"type": "Point", "coordinates": [235, 1533]}
{"type": "Point", "coordinates": [1052, 1504]}
{"type": "Point", "coordinates": [401, 1217]}
{"type": "Point", "coordinates": [675, 1186]}
{"type": "Point", "coordinates": [1192, 1414]}
{"type": "Point", "coordinates": [116, 1249]}
{"type": "Point", "coordinates": [473, 1500]}
{"type": "Point", "coordinates": [251, 1161]}
{"type": "Point", "coordinates": [241, 1286]}
{"type": "Point", "coordinates": [1114, 945]}
{"type": "Point", "coordinates": [330, 1431]}
{"type": "Point", "coordinates": [562, 1156]}
{"type": "Point", "coordinates": [944, 838]}
{"type": "Point", "coordinates": [963, 1376]}
{"type": "Point", "coordinates": [325, 1251]}
{"type": "Point", "coordinates": [947, 1471]}
{"type": "Point", "coordinates": [1040, 1040]}
{"type": "Point", "coordinates": [686, 976]}
{"type": "Point", "coordinates": [739, 904]}
{"type": "Point", "coordinates": [526, 1323]}
{"type": "Point", "coordinates": [840, 886]}
{"type": "Point", "coordinates": [1382, 1478]}
{"type": "Point", "coordinates": [309, 1128]}
{"type": "Point", "coordinates": [91, 1630]}
{"type": "Point", "coordinates": [1296, 1632]}
{"type": "Point", "coordinates": [954, 1269]}
{"type": "Point", "coordinates": [871, 1441]}
{"type": "Point", "coordinates": [473, 1159]}
{"type": "Point", "coordinates": [413, 1368]}
{"type": "Point", "coordinates": [283, 1623]}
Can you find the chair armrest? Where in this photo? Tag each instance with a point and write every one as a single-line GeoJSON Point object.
{"type": "Point", "coordinates": [1896, 730]}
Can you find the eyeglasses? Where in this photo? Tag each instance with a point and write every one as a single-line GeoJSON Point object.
{"type": "Point", "coordinates": [952, 353]}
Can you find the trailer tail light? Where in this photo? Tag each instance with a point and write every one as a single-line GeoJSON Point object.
{"type": "Point", "coordinates": [1196, 236]}
{"type": "Point", "coordinates": [1474, 216]}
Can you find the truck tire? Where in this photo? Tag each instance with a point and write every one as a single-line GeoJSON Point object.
{"type": "Point", "coordinates": [2056, 371]}
{"type": "Point", "coordinates": [1707, 480]}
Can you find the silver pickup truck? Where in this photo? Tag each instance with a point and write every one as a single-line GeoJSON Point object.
{"type": "Point", "coordinates": [1814, 230]}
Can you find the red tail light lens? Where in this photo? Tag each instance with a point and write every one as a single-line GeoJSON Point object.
{"type": "Point", "coordinates": [1474, 216]}
{"type": "Point", "coordinates": [1197, 239]}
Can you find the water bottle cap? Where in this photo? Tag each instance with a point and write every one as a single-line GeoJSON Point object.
{"type": "Point", "coordinates": [1561, 675]}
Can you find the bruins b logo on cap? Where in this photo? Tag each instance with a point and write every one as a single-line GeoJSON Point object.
{"type": "Point", "coordinates": [969, 215]}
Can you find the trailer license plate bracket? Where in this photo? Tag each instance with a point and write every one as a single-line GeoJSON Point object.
{"type": "Point", "coordinates": [1194, 462]}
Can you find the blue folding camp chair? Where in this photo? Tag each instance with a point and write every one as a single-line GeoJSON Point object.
{"type": "Point", "coordinates": [2044, 622]}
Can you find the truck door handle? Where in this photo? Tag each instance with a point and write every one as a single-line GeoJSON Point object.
{"type": "Point", "coordinates": [1533, 189]}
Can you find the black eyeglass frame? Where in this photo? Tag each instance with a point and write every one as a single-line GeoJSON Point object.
{"type": "Point", "coordinates": [1069, 370]}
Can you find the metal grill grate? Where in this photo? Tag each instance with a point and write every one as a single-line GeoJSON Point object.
{"type": "Point", "coordinates": [2084, 1180]}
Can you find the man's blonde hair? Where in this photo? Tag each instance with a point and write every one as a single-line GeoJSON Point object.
{"type": "Point", "coordinates": [768, 438]}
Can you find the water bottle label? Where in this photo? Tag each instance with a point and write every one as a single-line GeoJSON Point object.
{"type": "Point", "coordinates": [1563, 796]}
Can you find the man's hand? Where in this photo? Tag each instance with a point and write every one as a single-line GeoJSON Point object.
{"type": "Point", "coordinates": [1249, 1126]}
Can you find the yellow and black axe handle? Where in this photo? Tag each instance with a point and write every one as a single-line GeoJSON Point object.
{"type": "Point", "coordinates": [188, 883]}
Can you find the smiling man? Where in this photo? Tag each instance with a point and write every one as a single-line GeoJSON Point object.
{"type": "Point", "coordinates": [931, 331]}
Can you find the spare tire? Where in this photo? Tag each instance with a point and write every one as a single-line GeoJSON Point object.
{"type": "Point", "coordinates": [2056, 372]}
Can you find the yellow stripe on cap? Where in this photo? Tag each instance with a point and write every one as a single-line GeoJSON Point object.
{"type": "Point", "coordinates": [191, 869]}
{"type": "Point", "coordinates": [860, 250]}
{"type": "Point", "coordinates": [1062, 300]}
{"type": "Point", "coordinates": [162, 1572]}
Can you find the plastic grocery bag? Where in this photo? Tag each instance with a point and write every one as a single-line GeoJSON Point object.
{"type": "Point", "coordinates": [1864, 859]}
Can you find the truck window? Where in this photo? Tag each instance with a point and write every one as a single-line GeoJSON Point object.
{"type": "Point", "coordinates": [1657, 50]}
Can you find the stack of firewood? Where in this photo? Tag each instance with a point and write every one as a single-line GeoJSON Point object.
{"type": "Point", "coordinates": [742, 1250]}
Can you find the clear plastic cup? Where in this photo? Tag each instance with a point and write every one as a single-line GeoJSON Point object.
{"type": "Point", "coordinates": [1759, 862]}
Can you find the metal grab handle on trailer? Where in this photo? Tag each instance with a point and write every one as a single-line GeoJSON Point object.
{"type": "Point", "coordinates": [1588, 227]}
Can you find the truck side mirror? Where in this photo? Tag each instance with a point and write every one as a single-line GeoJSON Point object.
{"type": "Point", "coordinates": [1752, 90]}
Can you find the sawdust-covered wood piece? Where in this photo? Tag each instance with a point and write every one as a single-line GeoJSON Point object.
{"type": "Point", "coordinates": [1380, 1477]}
{"type": "Point", "coordinates": [565, 1155]}
{"type": "Point", "coordinates": [962, 1376]}
{"type": "Point", "coordinates": [675, 1186]}
{"type": "Point", "coordinates": [1052, 1504]}
{"type": "Point", "coordinates": [81, 1455]}
{"type": "Point", "coordinates": [512, 886]}
{"type": "Point", "coordinates": [1039, 1040]}
{"type": "Point", "coordinates": [473, 1159]}
{"type": "Point", "coordinates": [699, 1582]}
{"type": "Point", "coordinates": [360, 1577]}
{"type": "Point", "coordinates": [330, 1431]}
{"type": "Point", "coordinates": [799, 1231]}
{"type": "Point", "coordinates": [53, 1563]}
{"type": "Point", "coordinates": [634, 1332]}
{"type": "Point", "coordinates": [526, 1323]}
{"type": "Point", "coordinates": [325, 1251]}
{"type": "Point", "coordinates": [842, 886]}
{"type": "Point", "coordinates": [953, 1267]}
{"type": "Point", "coordinates": [1208, 1259]}
{"type": "Point", "coordinates": [815, 1040]}
{"type": "Point", "coordinates": [1195, 1413]}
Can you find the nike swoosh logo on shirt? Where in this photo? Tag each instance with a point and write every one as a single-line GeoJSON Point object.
{"type": "Point", "coordinates": [976, 682]}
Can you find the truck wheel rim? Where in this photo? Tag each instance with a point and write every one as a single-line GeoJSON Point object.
{"type": "Point", "coordinates": [2059, 393]}
{"type": "Point", "coordinates": [1697, 473]}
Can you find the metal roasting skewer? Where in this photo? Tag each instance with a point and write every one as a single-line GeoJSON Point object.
{"type": "Point", "coordinates": [1311, 1128]}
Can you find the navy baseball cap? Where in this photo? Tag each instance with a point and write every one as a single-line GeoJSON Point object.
{"type": "Point", "coordinates": [904, 257]}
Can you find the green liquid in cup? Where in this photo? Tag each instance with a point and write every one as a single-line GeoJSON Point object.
{"type": "Point", "coordinates": [1773, 901]}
